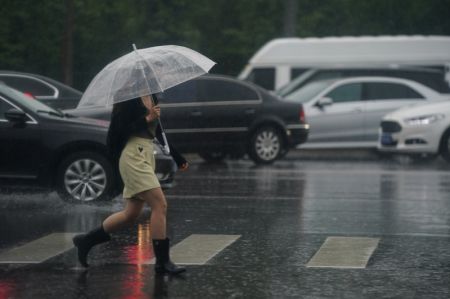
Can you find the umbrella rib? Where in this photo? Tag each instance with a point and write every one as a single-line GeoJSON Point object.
{"type": "Point", "coordinates": [148, 64]}
{"type": "Point", "coordinates": [205, 68]}
{"type": "Point", "coordinates": [112, 81]}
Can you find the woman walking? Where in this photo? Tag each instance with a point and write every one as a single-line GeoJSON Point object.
{"type": "Point", "coordinates": [134, 125]}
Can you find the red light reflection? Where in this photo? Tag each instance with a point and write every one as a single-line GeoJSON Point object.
{"type": "Point", "coordinates": [7, 289]}
{"type": "Point", "coordinates": [138, 254]}
{"type": "Point", "coordinates": [29, 95]}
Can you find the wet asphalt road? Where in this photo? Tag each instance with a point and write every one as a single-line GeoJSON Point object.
{"type": "Point", "coordinates": [283, 214]}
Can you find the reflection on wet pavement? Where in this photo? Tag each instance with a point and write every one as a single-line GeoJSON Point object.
{"type": "Point", "coordinates": [142, 251]}
{"type": "Point", "coordinates": [283, 213]}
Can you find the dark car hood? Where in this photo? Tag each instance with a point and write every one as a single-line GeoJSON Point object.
{"type": "Point", "coordinates": [97, 113]}
{"type": "Point", "coordinates": [88, 121]}
{"type": "Point", "coordinates": [79, 121]}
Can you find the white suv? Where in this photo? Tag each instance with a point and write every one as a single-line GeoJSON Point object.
{"type": "Point", "coordinates": [420, 129]}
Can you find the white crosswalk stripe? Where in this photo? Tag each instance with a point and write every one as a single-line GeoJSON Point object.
{"type": "Point", "coordinates": [344, 252]}
{"type": "Point", "coordinates": [194, 250]}
{"type": "Point", "coordinates": [39, 250]}
{"type": "Point", "coordinates": [199, 249]}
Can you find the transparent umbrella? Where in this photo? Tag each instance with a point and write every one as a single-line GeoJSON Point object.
{"type": "Point", "coordinates": [142, 72]}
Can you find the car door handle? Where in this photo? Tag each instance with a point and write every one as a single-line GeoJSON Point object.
{"type": "Point", "coordinates": [196, 113]}
{"type": "Point", "coordinates": [250, 111]}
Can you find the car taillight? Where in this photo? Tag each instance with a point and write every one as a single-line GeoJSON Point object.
{"type": "Point", "coordinates": [29, 95]}
{"type": "Point", "coordinates": [302, 115]}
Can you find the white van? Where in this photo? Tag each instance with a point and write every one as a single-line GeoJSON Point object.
{"type": "Point", "coordinates": [281, 60]}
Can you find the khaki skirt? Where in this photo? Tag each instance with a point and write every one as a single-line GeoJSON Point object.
{"type": "Point", "coordinates": [137, 167]}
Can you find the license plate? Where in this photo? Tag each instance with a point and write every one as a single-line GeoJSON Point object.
{"type": "Point", "coordinates": [386, 139]}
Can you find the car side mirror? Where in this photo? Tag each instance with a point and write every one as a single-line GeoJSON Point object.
{"type": "Point", "coordinates": [16, 116]}
{"type": "Point", "coordinates": [322, 102]}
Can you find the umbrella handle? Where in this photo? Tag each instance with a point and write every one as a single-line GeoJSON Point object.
{"type": "Point", "coordinates": [166, 148]}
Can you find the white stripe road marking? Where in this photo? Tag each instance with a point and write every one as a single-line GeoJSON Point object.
{"type": "Point", "coordinates": [194, 250]}
{"type": "Point", "coordinates": [199, 249]}
{"type": "Point", "coordinates": [39, 250]}
{"type": "Point", "coordinates": [344, 252]}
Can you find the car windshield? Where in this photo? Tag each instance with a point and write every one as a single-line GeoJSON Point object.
{"type": "Point", "coordinates": [31, 104]}
{"type": "Point", "coordinates": [308, 91]}
{"type": "Point", "coordinates": [293, 85]}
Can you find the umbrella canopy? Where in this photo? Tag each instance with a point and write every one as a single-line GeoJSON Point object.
{"type": "Point", "coordinates": [142, 72]}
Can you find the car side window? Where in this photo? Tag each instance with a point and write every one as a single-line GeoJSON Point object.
{"type": "Point", "coordinates": [183, 93]}
{"type": "Point", "coordinates": [28, 85]}
{"type": "Point", "coordinates": [434, 79]}
{"type": "Point", "coordinates": [264, 77]}
{"type": "Point", "coordinates": [211, 90]}
{"type": "Point", "coordinates": [4, 106]}
{"type": "Point", "coordinates": [351, 92]}
{"type": "Point", "coordinates": [360, 73]}
{"type": "Point", "coordinates": [384, 91]}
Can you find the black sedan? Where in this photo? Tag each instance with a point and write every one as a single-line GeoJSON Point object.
{"type": "Point", "coordinates": [218, 116]}
{"type": "Point", "coordinates": [48, 91]}
{"type": "Point", "coordinates": [60, 151]}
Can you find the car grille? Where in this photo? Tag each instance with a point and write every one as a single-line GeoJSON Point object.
{"type": "Point", "coordinates": [390, 127]}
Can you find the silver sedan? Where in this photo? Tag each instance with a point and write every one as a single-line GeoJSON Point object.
{"type": "Point", "coordinates": [347, 113]}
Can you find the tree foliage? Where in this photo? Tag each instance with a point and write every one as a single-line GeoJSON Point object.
{"type": "Point", "coordinates": [227, 31]}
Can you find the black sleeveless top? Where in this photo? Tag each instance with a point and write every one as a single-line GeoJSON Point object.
{"type": "Point", "coordinates": [128, 119]}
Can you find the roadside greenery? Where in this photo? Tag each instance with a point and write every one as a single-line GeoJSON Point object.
{"type": "Point", "coordinates": [41, 37]}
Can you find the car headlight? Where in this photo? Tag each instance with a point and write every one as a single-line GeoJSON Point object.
{"type": "Point", "coordinates": [424, 119]}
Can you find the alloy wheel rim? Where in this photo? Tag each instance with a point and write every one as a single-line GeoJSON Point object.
{"type": "Point", "coordinates": [267, 145]}
{"type": "Point", "coordinates": [85, 179]}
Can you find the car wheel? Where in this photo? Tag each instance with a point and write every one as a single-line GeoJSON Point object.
{"type": "Point", "coordinates": [85, 177]}
{"type": "Point", "coordinates": [212, 157]}
{"type": "Point", "coordinates": [266, 145]}
{"type": "Point", "coordinates": [445, 146]}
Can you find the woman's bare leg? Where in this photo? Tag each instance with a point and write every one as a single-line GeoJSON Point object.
{"type": "Point", "coordinates": [157, 201]}
{"type": "Point", "coordinates": [161, 244]}
{"type": "Point", "coordinates": [124, 218]}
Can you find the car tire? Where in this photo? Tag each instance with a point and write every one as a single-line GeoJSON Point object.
{"type": "Point", "coordinates": [444, 148]}
{"type": "Point", "coordinates": [85, 177]}
{"type": "Point", "coordinates": [212, 157]}
{"type": "Point", "coordinates": [266, 145]}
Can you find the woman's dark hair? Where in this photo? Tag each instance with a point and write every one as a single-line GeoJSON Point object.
{"type": "Point", "coordinates": [132, 105]}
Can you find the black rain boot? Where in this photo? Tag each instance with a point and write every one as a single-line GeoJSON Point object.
{"type": "Point", "coordinates": [85, 242]}
{"type": "Point", "coordinates": [163, 263]}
